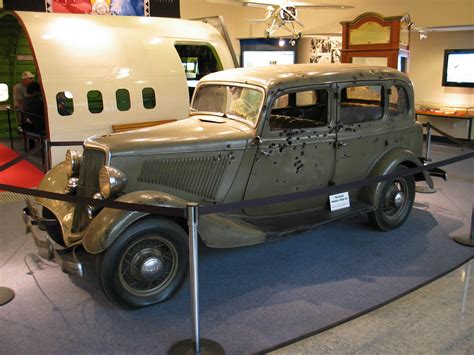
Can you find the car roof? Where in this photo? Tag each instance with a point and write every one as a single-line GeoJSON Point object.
{"type": "Point", "coordinates": [287, 76]}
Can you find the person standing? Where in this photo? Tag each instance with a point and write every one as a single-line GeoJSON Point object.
{"type": "Point", "coordinates": [19, 94]}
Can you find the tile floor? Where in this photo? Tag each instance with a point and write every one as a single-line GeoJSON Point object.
{"type": "Point", "coordinates": [436, 319]}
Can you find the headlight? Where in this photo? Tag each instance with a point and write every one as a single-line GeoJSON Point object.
{"type": "Point", "coordinates": [73, 163]}
{"type": "Point", "coordinates": [111, 181]}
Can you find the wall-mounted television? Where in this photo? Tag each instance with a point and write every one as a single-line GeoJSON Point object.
{"type": "Point", "coordinates": [458, 68]}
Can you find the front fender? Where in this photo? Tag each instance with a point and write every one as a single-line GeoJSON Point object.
{"type": "Point", "coordinates": [385, 165]}
{"type": "Point", "coordinates": [110, 223]}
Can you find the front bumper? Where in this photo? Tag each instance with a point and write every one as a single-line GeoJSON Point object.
{"type": "Point", "coordinates": [64, 257]}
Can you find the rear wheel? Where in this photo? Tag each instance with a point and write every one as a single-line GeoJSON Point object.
{"type": "Point", "coordinates": [146, 264]}
{"type": "Point", "coordinates": [395, 201]}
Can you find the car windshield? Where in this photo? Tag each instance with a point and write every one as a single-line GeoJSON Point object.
{"type": "Point", "coordinates": [231, 101]}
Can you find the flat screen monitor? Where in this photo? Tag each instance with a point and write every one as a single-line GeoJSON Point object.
{"type": "Point", "coordinates": [263, 58]}
{"type": "Point", "coordinates": [458, 68]}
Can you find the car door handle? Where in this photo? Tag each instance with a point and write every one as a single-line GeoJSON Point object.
{"type": "Point", "coordinates": [340, 144]}
{"type": "Point", "coordinates": [267, 154]}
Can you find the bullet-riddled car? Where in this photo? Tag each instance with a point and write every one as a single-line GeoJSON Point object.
{"type": "Point", "coordinates": [252, 133]}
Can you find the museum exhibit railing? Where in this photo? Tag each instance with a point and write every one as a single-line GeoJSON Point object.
{"type": "Point", "coordinates": [193, 210]}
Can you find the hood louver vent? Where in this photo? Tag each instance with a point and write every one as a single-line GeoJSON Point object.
{"type": "Point", "coordinates": [198, 176]}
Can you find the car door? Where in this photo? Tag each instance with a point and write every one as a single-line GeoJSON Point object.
{"type": "Point", "coordinates": [296, 152]}
{"type": "Point", "coordinates": [361, 135]}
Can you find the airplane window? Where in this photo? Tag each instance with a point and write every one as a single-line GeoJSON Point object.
{"type": "Point", "coordinates": [149, 99]}
{"type": "Point", "coordinates": [3, 92]}
{"type": "Point", "coordinates": [94, 101]}
{"type": "Point", "coordinates": [65, 103]}
{"type": "Point", "coordinates": [123, 99]}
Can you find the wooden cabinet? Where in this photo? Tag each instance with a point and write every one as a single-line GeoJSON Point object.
{"type": "Point", "coordinates": [376, 40]}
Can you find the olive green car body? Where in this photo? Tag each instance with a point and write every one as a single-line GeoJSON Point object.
{"type": "Point", "coordinates": [213, 160]}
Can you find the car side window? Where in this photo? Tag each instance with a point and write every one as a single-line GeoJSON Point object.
{"type": "Point", "coordinates": [398, 101]}
{"type": "Point", "coordinates": [304, 109]}
{"type": "Point", "coordinates": [361, 104]}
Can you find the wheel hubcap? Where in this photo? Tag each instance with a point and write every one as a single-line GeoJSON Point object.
{"type": "Point", "coordinates": [151, 268]}
{"type": "Point", "coordinates": [398, 199]}
{"type": "Point", "coordinates": [395, 199]}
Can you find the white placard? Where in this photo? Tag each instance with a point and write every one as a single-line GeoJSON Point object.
{"type": "Point", "coordinates": [339, 201]}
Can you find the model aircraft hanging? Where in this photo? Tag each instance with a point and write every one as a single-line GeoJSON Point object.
{"type": "Point", "coordinates": [281, 13]}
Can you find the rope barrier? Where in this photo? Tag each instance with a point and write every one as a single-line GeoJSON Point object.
{"type": "Point", "coordinates": [218, 208]}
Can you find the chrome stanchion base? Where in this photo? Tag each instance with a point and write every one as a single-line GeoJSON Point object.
{"type": "Point", "coordinates": [187, 346]}
{"type": "Point", "coordinates": [425, 189]}
{"type": "Point", "coordinates": [6, 295]}
{"type": "Point", "coordinates": [465, 240]}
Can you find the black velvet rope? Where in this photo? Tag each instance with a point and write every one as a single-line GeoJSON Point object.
{"type": "Point", "coordinates": [219, 208]}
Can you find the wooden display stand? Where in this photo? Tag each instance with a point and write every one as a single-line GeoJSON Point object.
{"type": "Point", "coordinates": [376, 40]}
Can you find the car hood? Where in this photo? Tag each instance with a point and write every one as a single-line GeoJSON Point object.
{"type": "Point", "coordinates": [197, 133]}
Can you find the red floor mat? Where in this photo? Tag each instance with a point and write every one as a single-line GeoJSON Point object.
{"type": "Point", "coordinates": [23, 174]}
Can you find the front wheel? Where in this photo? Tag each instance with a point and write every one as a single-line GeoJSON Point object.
{"type": "Point", "coordinates": [394, 202]}
{"type": "Point", "coordinates": [146, 264]}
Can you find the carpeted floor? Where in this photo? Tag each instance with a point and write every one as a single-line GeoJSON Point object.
{"type": "Point", "coordinates": [23, 174]}
{"type": "Point", "coordinates": [251, 298]}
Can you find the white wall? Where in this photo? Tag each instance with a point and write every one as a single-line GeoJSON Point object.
{"type": "Point", "coordinates": [426, 63]}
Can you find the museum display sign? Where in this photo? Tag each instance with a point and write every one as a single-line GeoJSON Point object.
{"type": "Point", "coordinates": [252, 133]}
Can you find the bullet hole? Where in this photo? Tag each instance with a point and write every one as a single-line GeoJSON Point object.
{"type": "Point", "coordinates": [270, 151]}
{"type": "Point", "coordinates": [228, 145]}
{"type": "Point", "coordinates": [325, 135]}
{"type": "Point", "coordinates": [386, 143]}
{"type": "Point", "coordinates": [272, 145]}
{"type": "Point", "coordinates": [302, 153]}
{"type": "Point", "coordinates": [277, 180]}
{"type": "Point", "coordinates": [309, 137]}
{"type": "Point", "coordinates": [289, 142]}
{"type": "Point", "coordinates": [297, 138]}
{"type": "Point", "coordinates": [275, 163]}
{"type": "Point", "coordinates": [284, 181]}
{"type": "Point", "coordinates": [297, 188]}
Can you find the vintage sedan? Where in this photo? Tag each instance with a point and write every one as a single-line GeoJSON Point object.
{"type": "Point", "coordinates": [252, 133]}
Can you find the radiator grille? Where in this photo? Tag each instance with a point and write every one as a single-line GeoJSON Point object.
{"type": "Point", "coordinates": [91, 163]}
{"type": "Point", "coordinates": [200, 176]}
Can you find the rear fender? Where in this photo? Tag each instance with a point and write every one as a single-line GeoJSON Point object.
{"type": "Point", "coordinates": [385, 165]}
{"type": "Point", "coordinates": [109, 223]}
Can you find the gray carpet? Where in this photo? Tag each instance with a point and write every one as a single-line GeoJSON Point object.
{"type": "Point", "coordinates": [251, 298]}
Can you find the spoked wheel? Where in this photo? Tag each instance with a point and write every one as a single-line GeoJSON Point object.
{"type": "Point", "coordinates": [394, 202]}
{"type": "Point", "coordinates": [146, 264]}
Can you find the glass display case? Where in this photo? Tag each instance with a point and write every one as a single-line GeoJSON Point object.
{"type": "Point", "coordinates": [446, 116]}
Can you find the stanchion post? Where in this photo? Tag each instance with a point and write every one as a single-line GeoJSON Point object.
{"type": "Point", "coordinates": [193, 271]}
{"type": "Point", "coordinates": [425, 189]}
{"type": "Point", "coordinates": [468, 239]}
{"type": "Point", "coordinates": [46, 154]}
{"type": "Point", "coordinates": [196, 345]}
{"type": "Point", "coordinates": [10, 127]}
